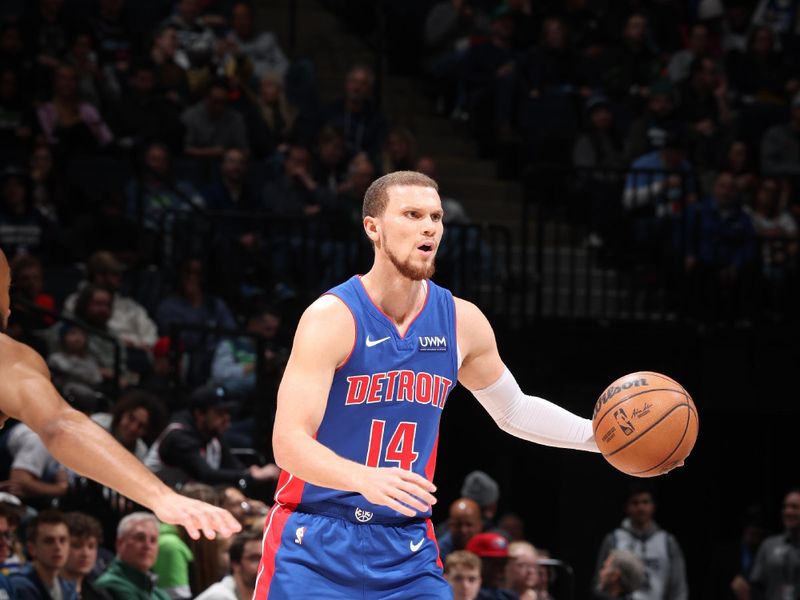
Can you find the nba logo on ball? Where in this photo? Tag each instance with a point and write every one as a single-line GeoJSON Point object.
{"type": "Point", "coordinates": [623, 421]}
{"type": "Point", "coordinates": [658, 420]}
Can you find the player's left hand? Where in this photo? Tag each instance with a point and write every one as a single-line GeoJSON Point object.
{"type": "Point", "coordinates": [198, 518]}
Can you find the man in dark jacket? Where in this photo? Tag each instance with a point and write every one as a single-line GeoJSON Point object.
{"type": "Point", "coordinates": [48, 545]}
{"type": "Point", "coordinates": [720, 252]}
{"type": "Point", "coordinates": [356, 115]}
{"type": "Point", "coordinates": [191, 447]}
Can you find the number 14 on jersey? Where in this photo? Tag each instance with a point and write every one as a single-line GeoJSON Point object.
{"type": "Point", "coordinates": [399, 449]}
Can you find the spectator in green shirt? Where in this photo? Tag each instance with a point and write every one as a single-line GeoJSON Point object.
{"type": "Point", "coordinates": [129, 576]}
{"type": "Point", "coordinates": [172, 564]}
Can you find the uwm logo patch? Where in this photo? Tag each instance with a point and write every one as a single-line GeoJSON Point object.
{"type": "Point", "coordinates": [430, 343]}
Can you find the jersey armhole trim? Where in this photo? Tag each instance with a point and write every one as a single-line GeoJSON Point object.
{"type": "Point", "coordinates": [355, 330]}
{"type": "Point", "coordinates": [459, 356]}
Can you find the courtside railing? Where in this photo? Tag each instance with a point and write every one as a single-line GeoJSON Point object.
{"type": "Point", "coordinates": [310, 255]}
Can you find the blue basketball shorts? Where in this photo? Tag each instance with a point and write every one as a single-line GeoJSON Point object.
{"type": "Point", "coordinates": [328, 557]}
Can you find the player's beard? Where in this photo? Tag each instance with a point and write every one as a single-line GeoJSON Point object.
{"type": "Point", "coordinates": [409, 270]}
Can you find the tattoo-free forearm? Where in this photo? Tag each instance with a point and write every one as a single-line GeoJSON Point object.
{"type": "Point", "coordinates": [78, 443]}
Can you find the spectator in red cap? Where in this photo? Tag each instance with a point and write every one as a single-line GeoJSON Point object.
{"type": "Point", "coordinates": [492, 548]}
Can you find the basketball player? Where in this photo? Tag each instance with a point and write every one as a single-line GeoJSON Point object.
{"type": "Point", "coordinates": [27, 395]}
{"type": "Point", "coordinates": [358, 414]}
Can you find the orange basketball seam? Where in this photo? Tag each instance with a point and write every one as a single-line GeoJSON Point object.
{"type": "Point", "coordinates": [641, 433]}
{"type": "Point", "coordinates": [674, 450]}
{"type": "Point", "coordinates": [626, 398]}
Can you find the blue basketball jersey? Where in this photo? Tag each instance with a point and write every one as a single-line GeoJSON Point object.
{"type": "Point", "coordinates": [385, 402]}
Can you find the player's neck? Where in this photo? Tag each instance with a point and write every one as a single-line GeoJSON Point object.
{"type": "Point", "coordinates": [399, 297]}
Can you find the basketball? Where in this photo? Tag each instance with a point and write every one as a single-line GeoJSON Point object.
{"type": "Point", "coordinates": [645, 424]}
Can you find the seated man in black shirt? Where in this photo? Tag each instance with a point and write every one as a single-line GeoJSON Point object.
{"type": "Point", "coordinates": [191, 447]}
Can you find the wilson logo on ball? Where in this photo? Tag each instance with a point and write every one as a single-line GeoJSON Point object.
{"type": "Point", "coordinates": [616, 389]}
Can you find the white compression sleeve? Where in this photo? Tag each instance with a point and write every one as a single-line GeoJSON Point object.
{"type": "Point", "coordinates": [534, 419]}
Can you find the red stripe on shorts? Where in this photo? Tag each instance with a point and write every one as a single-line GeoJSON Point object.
{"type": "Point", "coordinates": [432, 537]}
{"type": "Point", "coordinates": [289, 490]}
{"type": "Point", "coordinates": [273, 530]}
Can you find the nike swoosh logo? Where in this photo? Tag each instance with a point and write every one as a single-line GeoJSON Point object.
{"type": "Point", "coordinates": [414, 547]}
{"type": "Point", "coordinates": [371, 343]}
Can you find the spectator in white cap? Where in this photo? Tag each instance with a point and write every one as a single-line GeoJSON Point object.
{"type": "Point", "coordinates": [484, 490]}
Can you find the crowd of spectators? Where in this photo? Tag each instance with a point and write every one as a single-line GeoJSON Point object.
{"type": "Point", "coordinates": [644, 111]}
{"type": "Point", "coordinates": [485, 558]}
{"type": "Point", "coordinates": [494, 559]}
{"type": "Point", "coordinates": [123, 127]}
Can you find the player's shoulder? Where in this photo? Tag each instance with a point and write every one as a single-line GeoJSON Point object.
{"type": "Point", "coordinates": [464, 305]}
{"type": "Point", "coordinates": [467, 313]}
{"type": "Point", "coordinates": [328, 307]}
{"type": "Point", "coordinates": [16, 355]}
{"type": "Point", "coordinates": [328, 321]}
{"type": "Point", "coordinates": [475, 333]}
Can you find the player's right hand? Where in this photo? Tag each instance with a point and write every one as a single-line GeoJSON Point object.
{"type": "Point", "coordinates": [198, 518]}
{"type": "Point", "coordinates": [404, 491]}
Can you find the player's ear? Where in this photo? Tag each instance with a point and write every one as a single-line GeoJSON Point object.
{"type": "Point", "coordinates": [371, 227]}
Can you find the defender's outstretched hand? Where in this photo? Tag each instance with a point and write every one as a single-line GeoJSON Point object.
{"type": "Point", "coordinates": [198, 518]}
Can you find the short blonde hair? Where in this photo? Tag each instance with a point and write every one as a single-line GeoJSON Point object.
{"type": "Point", "coordinates": [516, 549]}
{"type": "Point", "coordinates": [377, 196]}
{"type": "Point", "coordinates": [463, 559]}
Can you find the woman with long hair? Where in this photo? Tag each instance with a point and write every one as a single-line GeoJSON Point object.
{"type": "Point", "coordinates": [207, 567]}
{"type": "Point", "coordinates": [134, 419]}
{"type": "Point", "coordinates": [185, 567]}
{"type": "Point", "coordinates": [272, 121]}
